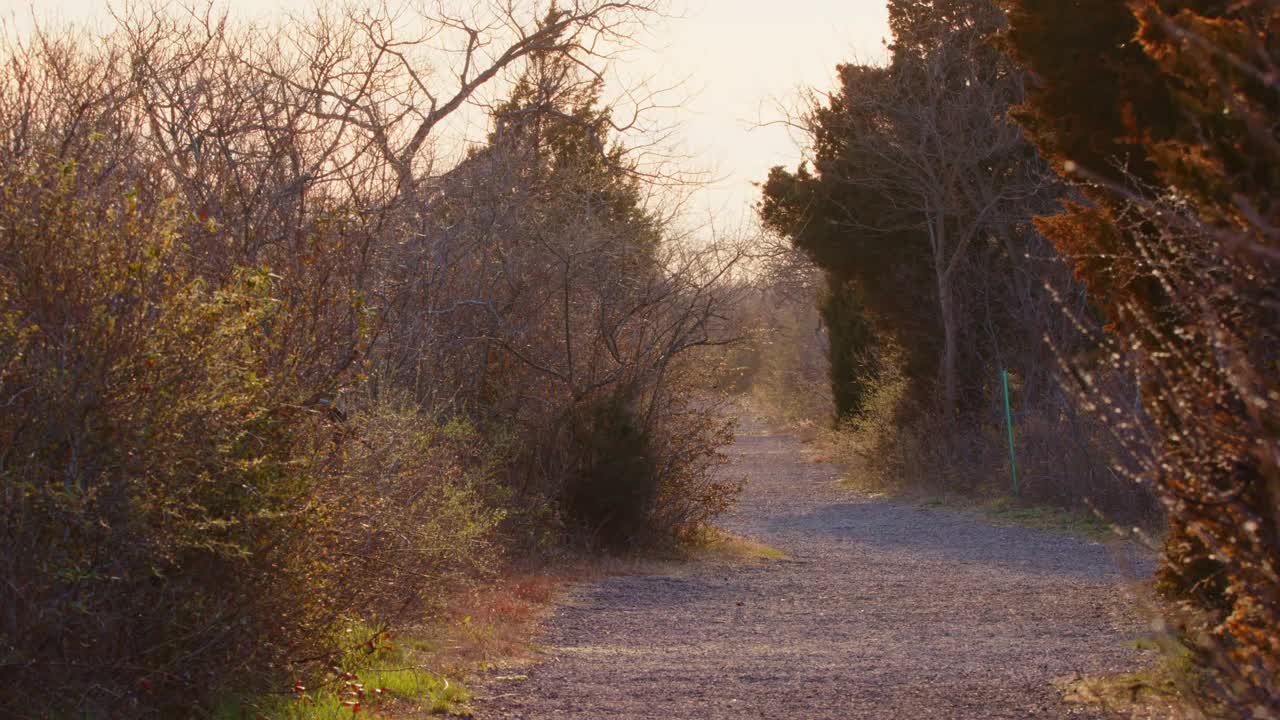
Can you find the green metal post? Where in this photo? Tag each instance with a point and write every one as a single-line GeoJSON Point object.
{"type": "Point", "coordinates": [1008, 417]}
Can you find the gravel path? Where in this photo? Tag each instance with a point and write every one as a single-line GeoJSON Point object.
{"type": "Point", "coordinates": [884, 610]}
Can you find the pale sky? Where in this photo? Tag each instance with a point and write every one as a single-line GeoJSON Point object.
{"type": "Point", "coordinates": [745, 58]}
{"type": "Point", "coordinates": [737, 60]}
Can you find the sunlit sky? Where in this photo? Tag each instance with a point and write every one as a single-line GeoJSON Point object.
{"type": "Point", "coordinates": [737, 62]}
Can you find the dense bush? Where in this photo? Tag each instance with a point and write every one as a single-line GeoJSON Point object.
{"type": "Point", "coordinates": [174, 510]}
{"type": "Point", "coordinates": [918, 205]}
{"type": "Point", "coordinates": [637, 484]}
{"type": "Point", "coordinates": [854, 348]}
{"type": "Point", "coordinates": [610, 495]}
{"type": "Point", "coordinates": [264, 376]}
{"type": "Point", "coordinates": [1165, 113]}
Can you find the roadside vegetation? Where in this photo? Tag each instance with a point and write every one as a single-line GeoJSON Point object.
{"type": "Point", "coordinates": [296, 393]}
{"type": "Point", "coordinates": [276, 384]}
{"type": "Point", "coordinates": [1082, 196]}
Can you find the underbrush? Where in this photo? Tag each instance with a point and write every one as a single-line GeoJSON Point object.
{"type": "Point", "coordinates": [177, 514]}
{"type": "Point", "coordinates": [203, 479]}
{"type": "Point", "coordinates": [375, 673]}
{"type": "Point", "coordinates": [895, 448]}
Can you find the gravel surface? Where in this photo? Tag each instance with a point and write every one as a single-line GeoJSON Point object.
{"type": "Point", "coordinates": [883, 610]}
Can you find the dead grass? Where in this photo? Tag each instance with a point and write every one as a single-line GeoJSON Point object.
{"type": "Point", "coordinates": [846, 449]}
{"type": "Point", "coordinates": [808, 429]}
{"type": "Point", "coordinates": [1155, 693]}
{"type": "Point", "coordinates": [724, 547]}
{"type": "Point", "coordinates": [494, 628]}
{"type": "Point", "coordinates": [492, 624]}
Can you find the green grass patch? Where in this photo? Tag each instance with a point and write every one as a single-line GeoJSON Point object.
{"type": "Point", "coordinates": [342, 697]}
{"type": "Point", "coordinates": [374, 673]}
{"type": "Point", "coordinates": [414, 684]}
{"type": "Point", "coordinates": [1009, 511]}
{"type": "Point", "coordinates": [1006, 511]}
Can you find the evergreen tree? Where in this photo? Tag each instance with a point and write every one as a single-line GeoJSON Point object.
{"type": "Point", "coordinates": [553, 120]}
{"type": "Point", "coordinates": [919, 193]}
{"type": "Point", "coordinates": [1166, 113]}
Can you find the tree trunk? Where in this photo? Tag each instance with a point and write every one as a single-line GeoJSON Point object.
{"type": "Point", "coordinates": [947, 309]}
{"type": "Point", "coordinates": [950, 333]}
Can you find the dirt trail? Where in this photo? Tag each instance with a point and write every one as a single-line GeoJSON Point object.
{"type": "Point", "coordinates": [884, 610]}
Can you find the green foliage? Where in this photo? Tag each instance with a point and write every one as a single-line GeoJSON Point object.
{"type": "Point", "coordinates": [554, 126]}
{"type": "Point", "coordinates": [917, 204]}
{"type": "Point", "coordinates": [880, 280]}
{"type": "Point", "coordinates": [634, 485]}
{"type": "Point", "coordinates": [853, 350]}
{"type": "Point", "coordinates": [175, 508]}
{"type": "Point", "coordinates": [612, 493]}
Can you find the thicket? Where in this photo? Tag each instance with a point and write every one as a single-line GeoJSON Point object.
{"type": "Point", "coordinates": [267, 370]}
{"type": "Point", "coordinates": [917, 200]}
{"type": "Point", "coordinates": [1164, 115]}
{"type": "Point", "coordinates": [1082, 194]}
